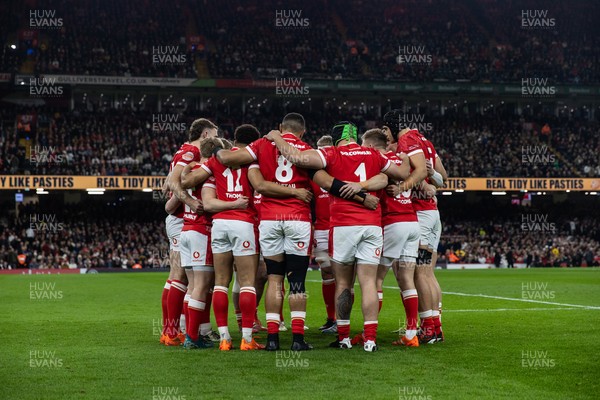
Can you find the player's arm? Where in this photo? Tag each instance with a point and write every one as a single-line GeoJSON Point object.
{"type": "Point", "coordinates": [417, 162]}
{"type": "Point", "coordinates": [373, 184]}
{"type": "Point", "coordinates": [430, 190]}
{"type": "Point", "coordinates": [233, 158]}
{"type": "Point", "coordinates": [307, 159]}
{"type": "Point", "coordinates": [438, 175]}
{"type": "Point", "coordinates": [172, 204]}
{"type": "Point", "coordinates": [400, 172]}
{"type": "Point", "coordinates": [272, 189]}
{"type": "Point", "coordinates": [334, 187]}
{"type": "Point", "coordinates": [213, 205]}
{"type": "Point", "coordinates": [190, 179]}
{"type": "Point", "coordinates": [175, 185]}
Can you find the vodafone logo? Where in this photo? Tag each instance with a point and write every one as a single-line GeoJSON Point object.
{"type": "Point", "coordinates": [378, 252]}
{"type": "Point", "coordinates": [189, 156]}
{"type": "Point", "coordinates": [174, 241]}
{"type": "Point", "coordinates": [196, 254]}
{"type": "Point", "coordinates": [300, 245]}
{"type": "Point", "coordinates": [246, 244]}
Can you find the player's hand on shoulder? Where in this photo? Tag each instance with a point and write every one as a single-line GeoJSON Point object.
{"type": "Point", "coordinates": [196, 206]}
{"type": "Point", "coordinates": [269, 136]}
{"type": "Point", "coordinates": [430, 169]}
{"type": "Point", "coordinates": [371, 202]}
{"type": "Point", "coordinates": [303, 194]}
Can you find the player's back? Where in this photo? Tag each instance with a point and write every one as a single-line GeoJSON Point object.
{"type": "Point", "coordinates": [399, 208]}
{"type": "Point", "coordinates": [231, 184]}
{"type": "Point", "coordinates": [185, 155]}
{"type": "Point", "coordinates": [191, 220]}
{"type": "Point", "coordinates": [276, 168]}
{"type": "Point", "coordinates": [411, 143]}
{"type": "Point", "coordinates": [353, 163]}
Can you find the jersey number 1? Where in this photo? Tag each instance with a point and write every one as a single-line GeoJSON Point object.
{"type": "Point", "coordinates": [229, 174]}
{"type": "Point", "coordinates": [361, 172]}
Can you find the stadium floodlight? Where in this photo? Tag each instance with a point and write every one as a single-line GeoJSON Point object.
{"type": "Point", "coordinates": [13, 46]}
{"type": "Point", "coordinates": [498, 193]}
{"type": "Point", "coordinates": [41, 191]}
{"type": "Point", "coordinates": [446, 193]}
{"type": "Point", "coordinates": [459, 190]}
{"type": "Point", "coordinates": [147, 190]}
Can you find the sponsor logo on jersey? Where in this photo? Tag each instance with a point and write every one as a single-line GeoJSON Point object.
{"type": "Point", "coordinates": [189, 156]}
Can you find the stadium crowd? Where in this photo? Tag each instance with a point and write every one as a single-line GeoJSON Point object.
{"type": "Point", "coordinates": [336, 40]}
{"type": "Point", "coordinates": [122, 236]}
{"type": "Point", "coordinates": [114, 235]}
{"type": "Point", "coordinates": [126, 142]}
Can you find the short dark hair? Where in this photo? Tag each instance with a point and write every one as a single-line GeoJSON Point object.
{"type": "Point", "coordinates": [376, 136]}
{"type": "Point", "coordinates": [198, 126]}
{"type": "Point", "coordinates": [246, 134]}
{"type": "Point", "coordinates": [293, 122]}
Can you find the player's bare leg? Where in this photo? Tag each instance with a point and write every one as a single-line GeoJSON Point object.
{"type": "Point", "coordinates": [259, 285]}
{"type": "Point", "coordinates": [367, 278]}
{"type": "Point", "coordinates": [273, 299]}
{"type": "Point", "coordinates": [405, 276]}
{"type": "Point", "coordinates": [203, 282]}
{"type": "Point", "coordinates": [328, 291]}
{"type": "Point", "coordinates": [223, 263]}
{"type": "Point", "coordinates": [235, 298]}
{"type": "Point", "coordinates": [382, 271]}
{"type": "Point", "coordinates": [344, 280]}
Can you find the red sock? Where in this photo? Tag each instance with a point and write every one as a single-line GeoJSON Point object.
{"type": "Point", "coordinates": [328, 289]}
{"type": "Point", "coordinates": [165, 310]}
{"type": "Point", "coordinates": [298, 318]}
{"type": "Point", "coordinates": [195, 310]}
{"type": "Point", "coordinates": [410, 299]}
{"type": "Point", "coordinates": [370, 330]}
{"type": "Point", "coordinates": [220, 305]}
{"type": "Point", "coordinates": [273, 323]}
{"type": "Point", "coordinates": [175, 305]}
{"type": "Point", "coordinates": [427, 326]}
{"type": "Point", "coordinates": [380, 297]}
{"type": "Point", "coordinates": [343, 327]}
{"type": "Point", "coordinates": [186, 300]}
{"type": "Point", "coordinates": [437, 324]}
{"type": "Point", "coordinates": [247, 306]}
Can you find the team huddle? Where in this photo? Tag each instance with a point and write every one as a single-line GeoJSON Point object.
{"type": "Point", "coordinates": [260, 207]}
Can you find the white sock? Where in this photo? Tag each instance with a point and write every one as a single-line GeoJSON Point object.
{"type": "Point", "coordinates": [224, 333]}
{"type": "Point", "coordinates": [247, 334]}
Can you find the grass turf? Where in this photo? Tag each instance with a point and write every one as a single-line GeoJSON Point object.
{"type": "Point", "coordinates": [96, 339]}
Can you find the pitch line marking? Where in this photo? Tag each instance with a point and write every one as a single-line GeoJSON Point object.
{"type": "Point", "coordinates": [500, 298]}
{"type": "Point", "coordinates": [514, 309]}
